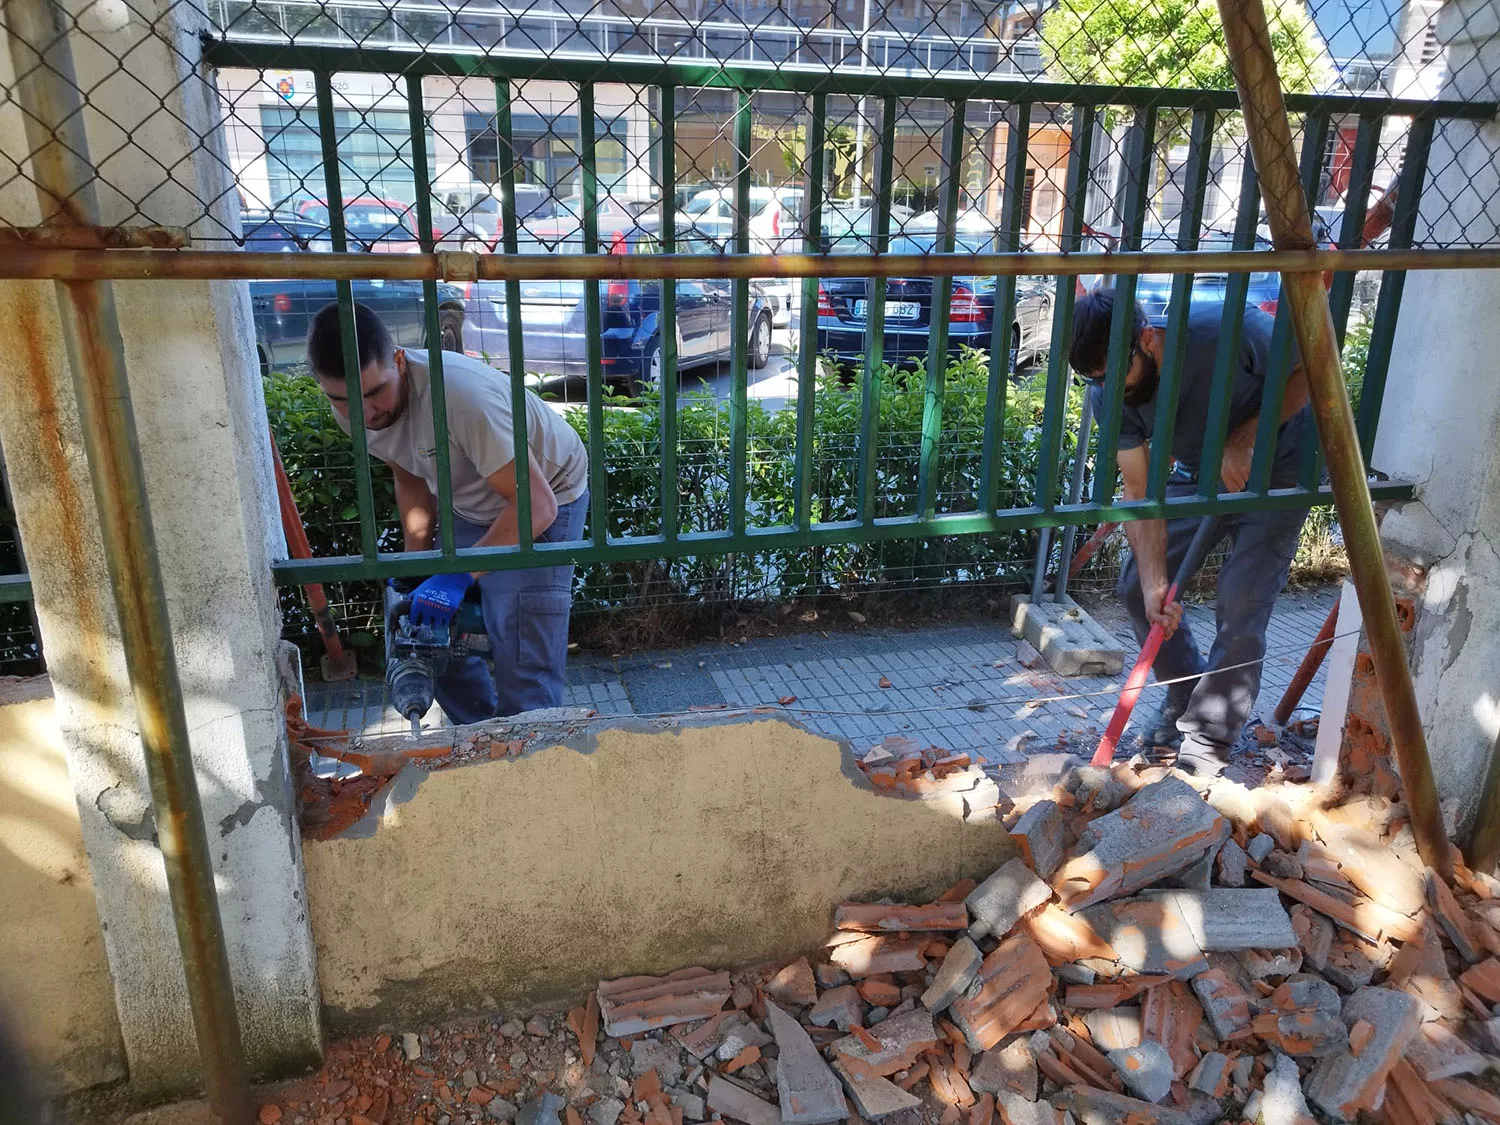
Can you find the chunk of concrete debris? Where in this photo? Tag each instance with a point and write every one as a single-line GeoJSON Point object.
{"type": "Point", "coordinates": [872, 956]}
{"type": "Point", "coordinates": [1225, 920]}
{"type": "Point", "coordinates": [605, 1111]}
{"type": "Point", "coordinates": [731, 1100]}
{"type": "Point", "coordinates": [1197, 876]}
{"type": "Point", "coordinates": [1303, 1018]}
{"type": "Point", "coordinates": [542, 1110]}
{"type": "Point", "coordinates": [838, 1007]}
{"type": "Point", "coordinates": [1114, 1029]}
{"type": "Point", "coordinates": [1013, 981]}
{"type": "Point", "coordinates": [875, 1097]}
{"type": "Point", "coordinates": [1314, 936]}
{"type": "Point", "coordinates": [1101, 1107]}
{"type": "Point", "coordinates": [810, 1092]}
{"type": "Point", "coordinates": [664, 1058]}
{"type": "Point", "coordinates": [693, 1107]}
{"type": "Point", "coordinates": [632, 1005]}
{"type": "Point", "coordinates": [1209, 1074]}
{"type": "Point", "coordinates": [1350, 965]}
{"type": "Point", "coordinates": [1259, 847]}
{"type": "Point", "coordinates": [794, 985]}
{"type": "Point", "coordinates": [1164, 828]}
{"type": "Point", "coordinates": [1148, 935]}
{"type": "Point", "coordinates": [900, 1040]}
{"type": "Point", "coordinates": [957, 972]}
{"type": "Point", "coordinates": [1096, 787]}
{"type": "Point", "coordinates": [1282, 1102]}
{"type": "Point", "coordinates": [1002, 900]}
{"type": "Point", "coordinates": [879, 917]}
{"type": "Point", "coordinates": [1026, 655]}
{"type": "Point", "coordinates": [1343, 1084]}
{"type": "Point", "coordinates": [1016, 1110]}
{"type": "Point", "coordinates": [411, 1046]}
{"type": "Point", "coordinates": [1146, 1069]}
{"type": "Point", "coordinates": [1230, 864]}
{"type": "Point", "coordinates": [504, 1111]}
{"type": "Point", "coordinates": [1437, 1053]}
{"type": "Point", "coordinates": [1041, 833]}
{"type": "Point", "coordinates": [1011, 1068]}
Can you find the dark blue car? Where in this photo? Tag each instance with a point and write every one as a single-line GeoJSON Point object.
{"type": "Point", "coordinates": [842, 302]}
{"type": "Point", "coordinates": [1153, 291]}
{"type": "Point", "coordinates": [552, 315]}
{"type": "Point", "coordinates": [282, 309]}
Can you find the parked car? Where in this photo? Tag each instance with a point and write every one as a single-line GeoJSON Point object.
{"type": "Point", "coordinates": [774, 229]}
{"type": "Point", "coordinates": [385, 226]}
{"type": "Point", "coordinates": [479, 216]}
{"type": "Point", "coordinates": [1153, 291]}
{"type": "Point", "coordinates": [908, 309]}
{"type": "Point", "coordinates": [564, 227]}
{"type": "Point", "coordinates": [552, 313]}
{"type": "Point", "coordinates": [282, 309]}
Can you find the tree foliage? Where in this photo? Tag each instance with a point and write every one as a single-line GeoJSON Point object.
{"type": "Point", "coordinates": [1171, 43]}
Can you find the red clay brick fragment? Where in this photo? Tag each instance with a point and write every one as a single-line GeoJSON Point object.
{"type": "Point", "coordinates": [883, 918]}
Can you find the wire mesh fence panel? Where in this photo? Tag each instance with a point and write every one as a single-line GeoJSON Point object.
{"type": "Point", "coordinates": [849, 415]}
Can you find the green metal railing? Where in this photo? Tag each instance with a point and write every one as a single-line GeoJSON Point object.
{"type": "Point", "coordinates": [1206, 110]}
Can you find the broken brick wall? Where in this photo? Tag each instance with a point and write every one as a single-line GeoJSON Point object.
{"type": "Point", "coordinates": [636, 850]}
{"type": "Point", "coordinates": [57, 1001]}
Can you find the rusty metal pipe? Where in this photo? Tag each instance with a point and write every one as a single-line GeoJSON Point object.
{"type": "Point", "coordinates": [47, 92]}
{"type": "Point", "coordinates": [26, 261]}
{"type": "Point", "coordinates": [1250, 54]}
{"type": "Point", "coordinates": [1311, 662]}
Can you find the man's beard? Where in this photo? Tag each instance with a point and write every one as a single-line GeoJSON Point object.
{"type": "Point", "coordinates": [390, 418]}
{"type": "Point", "coordinates": [1144, 391]}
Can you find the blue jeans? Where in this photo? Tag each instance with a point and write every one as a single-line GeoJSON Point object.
{"type": "Point", "coordinates": [526, 617]}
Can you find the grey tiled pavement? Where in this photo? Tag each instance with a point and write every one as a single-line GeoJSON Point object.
{"type": "Point", "coordinates": [935, 673]}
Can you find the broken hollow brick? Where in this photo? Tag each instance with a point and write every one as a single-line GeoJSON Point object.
{"type": "Point", "coordinates": [872, 956]}
{"type": "Point", "coordinates": [898, 1042]}
{"type": "Point", "coordinates": [635, 1004]}
{"type": "Point", "coordinates": [1343, 1084]}
{"type": "Point", "coordinates": [1012, 983]}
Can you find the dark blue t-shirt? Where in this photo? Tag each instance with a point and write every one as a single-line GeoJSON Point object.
{"type": "Point", "coordinates": [1137, 423]}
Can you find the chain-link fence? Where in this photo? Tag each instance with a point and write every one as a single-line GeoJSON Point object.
{"type": "Point", "coordinates": [978, 127]}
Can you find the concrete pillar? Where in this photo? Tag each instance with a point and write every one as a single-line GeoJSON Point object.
{"type": "Point", "coordinates": [1440, 427]}
{"type": "Point", "coordinates": [201, 422]}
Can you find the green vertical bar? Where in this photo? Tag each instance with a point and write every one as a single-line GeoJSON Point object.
{"type": "Point", "coordinates": [1226, 357]}
{"type": "Point", "coordinates": [1179, 305]}
{"type": "Point", "coordinates": [1012, 215]}
{"type": "Point", "coordinates": [869, 404]}
{"type": "Point", "coordinates": [593, 329]}
{"type": "Point", "coordinates": [937, 317]}
{"type": "Point", "coordinates": [514, 335]}
{"type": "Point", "coordinates": [1054, 411]}
{"type": "Point", "coordinates": [808, 347]}
{"type": "Point", "coordinates": [1140, 147]}
{"type": "Point", "coordinates": [1341, 294]}
{"type": "Point", "coordinates": [1393, 282]}
{"type": "Point", "coordinates": [344, 292]}
{"type": "Point", "coordinates": [417, 121]}
{"type": "Point", "coordinates": [1314, 151]}
{"type": "Point", "coordinates": [668, 179]}
{"type": "Point", "coordinates": [739, 324]}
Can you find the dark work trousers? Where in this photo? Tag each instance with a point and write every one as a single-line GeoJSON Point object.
{"type": "Point", "coordinates": [526, 617]}
{"type": "Point", "coordinates": [1261, 548]}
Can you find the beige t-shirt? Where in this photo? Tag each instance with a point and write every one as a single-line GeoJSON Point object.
{"type": "Point", "coordinates": [480, 436]}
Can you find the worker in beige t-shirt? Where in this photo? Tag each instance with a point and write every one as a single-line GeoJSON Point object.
{"type": "Point", "coordinates": [525, 611]}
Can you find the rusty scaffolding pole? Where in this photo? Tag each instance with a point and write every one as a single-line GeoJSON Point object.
{"type": "Point", "coordinates": [47, 92]}
{"type": "Point", "coordinates": [1249, 42]}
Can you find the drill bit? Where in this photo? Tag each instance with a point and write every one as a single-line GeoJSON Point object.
{"type": "Point", "coordinates": [416, 724]}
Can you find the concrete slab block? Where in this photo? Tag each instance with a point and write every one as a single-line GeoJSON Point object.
{"type": "Point", "coordinates": [1343, 1084]}
{"type": "Point", "coordinates": [1282, 1102]}
{"type": "Point", "coordinates": [1069, 640]}
{"type": "Point", "coordinates": [1224, 919]}
{"type": "Point", "coordinates": [1114, 1029]}
{"type": "Point", "coordinates": [839, 1007]}
{"type": "Point", "coordinates": [1145, 1068]}
{"type": "Point", "coordinates": [902, 1038]}
{"type": "Point", "coordinates": [1011, 1068]}
{"type": "Point", "coordinates": [954, 975]}
{"type": "Point", "coordinates": [810, 1092]}
{"type": "Point", "coordinates": [736, 1103]}
{"type": "Point", "coordinates": [1149, 935]}
{"type": "Point", "coordinates": [1008, 895]}
{"type": "Point", "coordinates": [875, 1097]}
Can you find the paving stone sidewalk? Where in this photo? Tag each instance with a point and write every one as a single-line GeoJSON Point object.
{"type": "Point", "coordinates": [935, 674]}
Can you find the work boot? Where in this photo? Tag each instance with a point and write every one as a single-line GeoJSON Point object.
{"type": "Point", "coordinates": [1202, 757]}
{"type": "Point", "coordinates": [1159, 728]}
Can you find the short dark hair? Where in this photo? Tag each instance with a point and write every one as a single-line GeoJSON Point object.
{"type": "Point", "coordinates": [1091, 319]}
{"type": "Point", "coordinates": [325, 341]}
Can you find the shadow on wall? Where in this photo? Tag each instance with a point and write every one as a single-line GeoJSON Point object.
{"type": "Point", "coordinates": [55, 989]}
{"type": "Point", "coordinates": [527, 880]}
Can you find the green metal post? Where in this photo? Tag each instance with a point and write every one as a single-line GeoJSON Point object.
{"type": "Point", "coordinates": [807, 376]}
{"type": "Point", "coordinates": [593, 329]}
{"type": "Point", "coordinates": [417, 122]}
{"type": "Point", "coordinates": [739, 324]}
{"type": "Point", "coordinates": [869, 399]}
{"type": "Point", "coordinates": [514, 330]}
{"type": "Point", "coordinates": [344, 292]}
{"type": "Point", "coordinates": [667, 165]}
{"type": "Point", "coordinates": [937, 317]}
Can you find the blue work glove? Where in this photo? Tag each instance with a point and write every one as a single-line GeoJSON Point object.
{"type": "Point", "coordinates": [435, 602]}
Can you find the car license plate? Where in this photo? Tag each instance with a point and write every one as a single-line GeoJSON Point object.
{"type": "Point", "coordinates": [894, 310]}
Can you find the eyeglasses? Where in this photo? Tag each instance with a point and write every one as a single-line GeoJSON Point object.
{"type": "Point", "coordinates": [1098, 378]}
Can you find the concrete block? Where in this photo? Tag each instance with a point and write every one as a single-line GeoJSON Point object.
{"type": "Point", "coordinates": [810, 1092]}
{"type": "Point", "coordinates": [1282, 1102]}
{"type": "Point", "coordinates": [1002, 900]}
{"type": "Point", "coordinates": [1164, 828]}
{"type": "Point", "coordinates": [1314, 936]}
{"type": "Point", "coordinates": [1343, 1084]}
{"type": "Point", "coordinates": [1230, 864]}
{"type": "Point", "coordinates": [902, 1038]}
{"type": "Point", "coordinates": [794, 985]}
{"type": "Point", "coordinates": [1149, 936]}
{"type": "Point", "coordinates": [839, 1007]}
{"type": "Point", "coordinates": [1040, 833]}
{"type": "Point", "coordinates": [1069, 640]}
{"type": "Point", "coordinates": [1437, 1053]}
{"type": "Point", "coordinates": [1016, 1110]}
{"type": "Point", "coordinates": [875, 1097]}
{"type": "Point", "coordinates": [1011, 1068]}
{"type": "Point", "coordinates": [1225, 1003]}
{"type": "Point", "coordinates": [543, 1110]}
{"type": "Point", "coordinates": [1114, 1029]}
{"type": "Point", "coordinates": [1303, 1018]}
{"type": "Point", "coordinates": [954, 975]}
{"type": "Point", "coordinates": [1223, 919]}
{"type": "Point", "coordinates": [1145, 1068]}
{"type": "Point", "coordinates": [731, 1100]}
{"type": "Point", "coordinates": [1259, 847]}
{"type": "Point", "coordinates": [605, 1111]}
{"type": "Point", "coordinates": [1209, 1073]}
